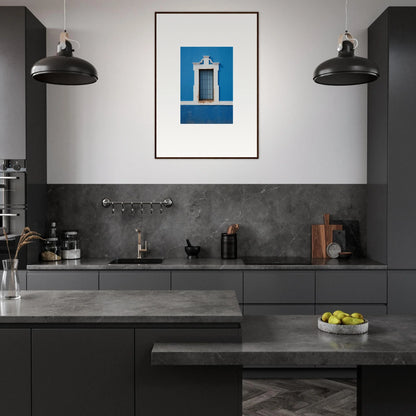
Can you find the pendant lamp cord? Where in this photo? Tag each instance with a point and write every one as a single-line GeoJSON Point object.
{"type": "Point", "coordinates": [64, 35]}
{"type": "Point", "coordinates": [346, 16]}
{"type": "Point", "coordinates": [64, 15]}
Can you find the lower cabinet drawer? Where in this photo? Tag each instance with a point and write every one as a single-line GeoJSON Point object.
{"type": "Point", "coordinates": [359, 287]}
{"type": "Point", "coordinates": [402, 291]}
{"type": "Point", "coordinates": [140, 280]}
{"type": "Point", "coordinates": [279, 287]}
{"type": "Point", "coordinates": [62, 280]}
{"type": "Point", "coordinates": [365, 309]}
{"type": "Point", "coordinates": [280, 309]}
{"type": "Point", "coordinates": [82, 371]}
{"type": "Point", "coordinates": [209, 280]}
{"type": "Point", "coordinates": [15, 363]}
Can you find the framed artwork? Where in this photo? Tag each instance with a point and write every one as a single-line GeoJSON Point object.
{"type": "Point", "coordinates": [206, 85]}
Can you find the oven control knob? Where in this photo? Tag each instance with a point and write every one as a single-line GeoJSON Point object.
{"type": "Point", "coordinates": [17, 166]}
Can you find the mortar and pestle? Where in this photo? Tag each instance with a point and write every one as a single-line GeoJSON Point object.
{"type": "Point", "coordinates": [192, 251]}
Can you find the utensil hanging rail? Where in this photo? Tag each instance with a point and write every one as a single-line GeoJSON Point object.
{"type": "Point", "coordinates": [132, 206]}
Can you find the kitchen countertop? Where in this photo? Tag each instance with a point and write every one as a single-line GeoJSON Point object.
{"type": "Point", "coordinates": [142, 306]}
{"type": "Point", "coordinates": [210, 264]}
{"type": "Point", "coordinates": [295, 341]}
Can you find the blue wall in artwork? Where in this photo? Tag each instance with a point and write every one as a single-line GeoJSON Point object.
{"type": "Point", "coordinates": [206, 114]}
{"type": "Point", "coordinates": [221, 54]}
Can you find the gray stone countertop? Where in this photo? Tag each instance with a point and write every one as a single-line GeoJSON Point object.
{"type": "Point", "coordinates": [210, 264]}
{"type": "Point", "coordinates": [295, 341]}
{"type": "Point", "coordinates": [132, 307]}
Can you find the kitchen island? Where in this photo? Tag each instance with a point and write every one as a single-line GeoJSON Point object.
{"type": "Point", "coordinates": [89, 353]}
{"type": "Point", "coordinates": [385, 357]}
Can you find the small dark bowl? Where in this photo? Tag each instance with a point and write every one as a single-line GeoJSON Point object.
{"type": "Point", "coordinates": [192, 251]}
{"type": "Point", "coordinates": [345, 254]}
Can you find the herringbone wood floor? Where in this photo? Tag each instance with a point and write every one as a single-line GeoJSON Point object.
{"type": "Point", "coordinates": [289, 397]}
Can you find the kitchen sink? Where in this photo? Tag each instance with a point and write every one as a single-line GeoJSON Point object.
{"type": "Point", "coordinates": [136, 261]}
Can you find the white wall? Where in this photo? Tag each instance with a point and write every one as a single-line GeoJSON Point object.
{"type": "Point", "coordinates": [104, 133]}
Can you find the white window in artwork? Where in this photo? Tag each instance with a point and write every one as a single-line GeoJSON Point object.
{"type": "Point", "coordinates": [206, 89]}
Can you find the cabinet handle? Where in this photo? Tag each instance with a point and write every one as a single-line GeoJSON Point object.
{"type": "Point", "coordinates": [8, 178]}
{"type": "Point", "coordinates": [9, 215]}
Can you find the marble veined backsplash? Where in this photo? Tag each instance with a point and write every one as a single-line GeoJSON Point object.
{"type": "Point", "coordinates": [274, 220]}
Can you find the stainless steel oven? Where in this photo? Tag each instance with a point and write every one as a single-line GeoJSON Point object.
{"type": "Point", "coordinates": [12, 201]}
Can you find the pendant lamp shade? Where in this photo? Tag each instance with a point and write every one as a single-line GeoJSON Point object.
{"type": "Point", "coordinates": [346, 68]}
{"type": "Point", "coordinates": [64, 69]}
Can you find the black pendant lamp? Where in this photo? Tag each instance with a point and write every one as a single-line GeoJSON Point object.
{"type": "Point", "coordinates": [346, 68]}
{"type": "Point", "coordinates": [64, 68]}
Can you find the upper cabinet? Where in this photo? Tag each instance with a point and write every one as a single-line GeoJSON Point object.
{"type": "Point", "coordinates": [22, 99]}
{"type": "Point", "coordinates": [391, 139]}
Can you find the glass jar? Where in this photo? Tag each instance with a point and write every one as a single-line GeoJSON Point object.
{"type": "Point", "coordinates": [70, 249]}
{"type": "Point", "coordinates": [50, 250]}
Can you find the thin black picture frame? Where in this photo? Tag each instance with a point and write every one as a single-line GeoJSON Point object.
{"type": "Point", "coordinates": [155, 85]}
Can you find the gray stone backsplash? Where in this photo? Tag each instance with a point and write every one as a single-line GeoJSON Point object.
{"type": "Point", "coordinates": [275, 220]}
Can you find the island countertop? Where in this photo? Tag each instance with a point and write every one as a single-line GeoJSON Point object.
{"type": "Point", "coordinates": [295, 341]}
{"type": "Point", "coordinates": [126, 307]}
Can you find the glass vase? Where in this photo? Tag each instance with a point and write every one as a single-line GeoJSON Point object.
{"type": "Point", "coordinates": [10, 287]}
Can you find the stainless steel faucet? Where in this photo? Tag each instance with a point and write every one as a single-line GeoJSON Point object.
{"type": "Point", "coordinates": [140, 250]}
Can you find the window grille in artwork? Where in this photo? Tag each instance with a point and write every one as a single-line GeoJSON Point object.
{"type": "Point", "coordinates": [206, 84]}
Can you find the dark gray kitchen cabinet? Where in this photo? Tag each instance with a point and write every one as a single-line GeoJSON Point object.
{"type": "Point", "coordinates": [135, 280]}
{"type": "Point", "coordinates": [402, 291]}
{"type": "Point", "coordinates": [209, 280]}
{"type": "Point", "coordinates": [62, 280]}
{"type": "Point", "coordinates": [162, 389]}
{"type": "Point", "coordinates": [355, 287]}
{"type": "Point", "coordinates": [391, 167]}
{"type": "Point", "coordinates": [15, 356]}
{"type": "Point", "coordinates": [82, 371]}
{"type": "Point", "coordinates": [23, 118]}
{"type": "Point", "coordinates": [279, 286]}
{"type": "Point", "coordinates": [22, 100]}
{"type": "Point", "coordinates": [279, 309]}
{"type": "Point", "coordinates": [22, 279]}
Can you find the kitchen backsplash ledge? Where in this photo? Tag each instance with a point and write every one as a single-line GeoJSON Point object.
{"type": "Point", "coordinates": [275, 220]}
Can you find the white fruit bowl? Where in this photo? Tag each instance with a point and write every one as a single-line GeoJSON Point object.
{"type": "Point", "coordinates": [343, 329]}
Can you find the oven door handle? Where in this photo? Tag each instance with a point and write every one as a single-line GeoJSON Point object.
{"type": "Point", "coordinates": [9, 178]}
{"type": "Point", "coordinates": [9, 215]}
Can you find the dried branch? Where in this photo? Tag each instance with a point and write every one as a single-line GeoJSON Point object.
{"type": "Point", "coordinates": [26, 238]}
{"type": "Point", "coordinates": [7, 243]}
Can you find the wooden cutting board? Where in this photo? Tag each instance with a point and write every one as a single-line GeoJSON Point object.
{"type": "Point", "coordinates": [322, 236]}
